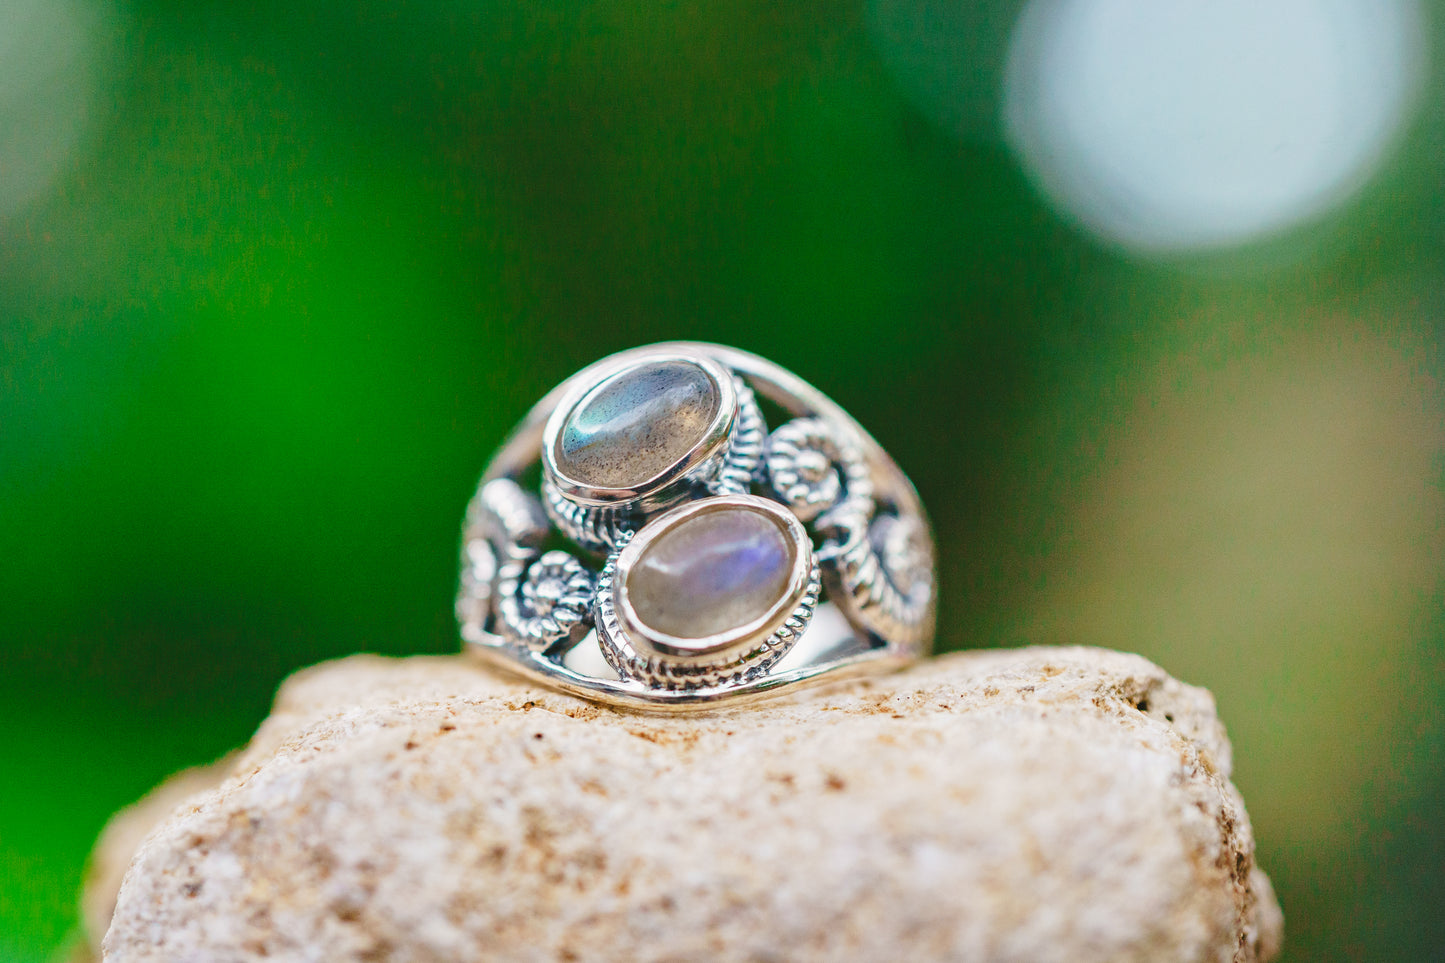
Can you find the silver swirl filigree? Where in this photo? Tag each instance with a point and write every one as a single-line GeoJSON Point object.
{"type": "Point", "coordinates": [811, 468]}
{"type": "Point", "coordinates": [504, 525]}
{"type": "Point", "coordinates": [745, 446]}
{"type": "Point", "coordinates": [506, 516]}
{"type": "Point", "coordinates": [675, 674]}
{"type": "Point", "coordinates": [543, 602]}
{"type": "Point", "coordinates": [505, 587]}
{"type": "Point", "coordinates": [479, 571]}
{"type": "Point", "coordinates": [878, 566]}
{"type": "Point", "coordinates": [880, 571]}
{"type": "Point", "coordinates": [595, 527]}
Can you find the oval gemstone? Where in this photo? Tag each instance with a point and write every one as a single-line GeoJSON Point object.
{"type": "Point", "coordinates": [711, 573]}
{"type": "Point", "coordinates": [637, 424]}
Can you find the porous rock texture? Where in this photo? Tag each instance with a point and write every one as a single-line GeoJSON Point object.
{"type": "Point", "coordinates": [1030, 805]}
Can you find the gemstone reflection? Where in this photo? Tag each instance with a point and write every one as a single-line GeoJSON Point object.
{"type": "Point", "coordinates": [637, 424]}
{"type": "Point", "coordinates": [711, 573]}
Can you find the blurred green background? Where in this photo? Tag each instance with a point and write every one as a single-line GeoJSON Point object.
{"type": "Point", "coordinates": [1149, 307]}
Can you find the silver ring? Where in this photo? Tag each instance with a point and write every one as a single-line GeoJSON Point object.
{"type": "Point", "coordinates": [644, 540]}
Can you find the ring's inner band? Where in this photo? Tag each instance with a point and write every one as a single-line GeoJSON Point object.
{"type": "Point", "coordinates": [831, 649]}
{"type": "Point", "coordinates": [829, 638]}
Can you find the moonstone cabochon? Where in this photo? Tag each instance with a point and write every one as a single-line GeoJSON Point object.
{"type": "Point", "coordinates": [637, 424]}
{"type": "Point", "coordinates": [712, 573]}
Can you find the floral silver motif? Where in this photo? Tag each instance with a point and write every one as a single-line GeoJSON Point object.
{"type": "Point", "coordinates": [544, 602]}
{"type": "Point", "coordinates": [811, 468]}
{"type": "Point", "coordinates": [505, 587]}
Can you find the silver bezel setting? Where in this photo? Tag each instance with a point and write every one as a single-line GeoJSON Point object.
{"type": "Point", "coordinates": [722, 461]}
{"type": "Point", "coordinates": [665, 485]}
{"type": "Point", "coordinates": [653, 643]}
{"type": "Point", "coordinates": [638, 652]}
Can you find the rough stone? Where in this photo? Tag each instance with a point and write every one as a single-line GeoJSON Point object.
{"type": "Point", "coordinates": [1039, 805]}
{"type": "Point", "coordinates": [125, 832]}
{"type": "Point", "coordinates": [637, 424]}
{"type": "Point", "coordinates": [711, 573]}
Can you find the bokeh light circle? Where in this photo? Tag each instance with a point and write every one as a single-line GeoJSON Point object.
{"type": "Point", "coordinates": [55, 57]}
{"type": "Point", "coordinates": [1198, 124]}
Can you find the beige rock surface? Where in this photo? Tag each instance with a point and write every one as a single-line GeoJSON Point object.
{"type": "Point", "coordinates": [126, 831]}
{"type": "Point", "coordinates": [1033, 805]}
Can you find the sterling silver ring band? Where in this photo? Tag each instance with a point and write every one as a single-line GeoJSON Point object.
{"type": "Point", "coordinates": [644, 540]}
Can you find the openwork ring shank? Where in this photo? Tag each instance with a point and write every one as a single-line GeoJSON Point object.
{"type": "Point", "coordinates": [693, 557]}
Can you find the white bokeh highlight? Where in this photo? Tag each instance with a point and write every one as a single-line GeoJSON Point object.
{"type": "Point", "coordinates": [56, 57]}
{"type": "Point", "coordinates": [1198, 124]}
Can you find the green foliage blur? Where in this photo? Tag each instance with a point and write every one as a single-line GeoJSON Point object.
{"type": "Point", "coordinates": [292, 270]}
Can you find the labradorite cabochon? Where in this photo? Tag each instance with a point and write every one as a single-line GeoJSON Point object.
{"type": "Point", "coordinates": [711, 573]}
{"type": "Point", "coordinates": [637, 424]}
